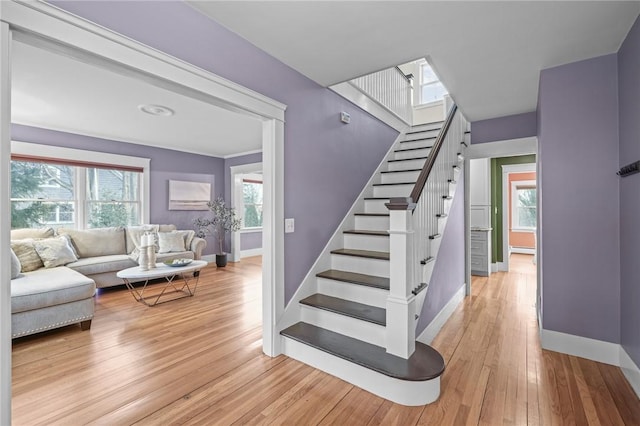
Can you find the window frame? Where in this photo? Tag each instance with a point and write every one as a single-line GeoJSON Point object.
{"type": "Point", "coordinates": [88, 158]}
{"type": "Point", "coordinates": [515, 224]}
{"type": "Point", "coordinates": [421, 84]}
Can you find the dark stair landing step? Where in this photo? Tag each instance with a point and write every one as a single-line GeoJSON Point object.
{"type": "Point", "coordinates": [363, 253]}
{"type": "Point", "coordinates": [425, 363]}
{"type": "Point", "coordinates": [354, 278]}
{"type": "Point", "coordinates": [368, 313]}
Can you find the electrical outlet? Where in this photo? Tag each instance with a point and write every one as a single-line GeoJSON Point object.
{"type": "Point", "coordinates": [289, 226]}
{"type": "Point", "coordinates": [345, 117]}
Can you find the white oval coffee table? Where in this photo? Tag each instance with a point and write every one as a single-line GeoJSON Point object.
{"type": "Point", "coordinates": [169, 273]}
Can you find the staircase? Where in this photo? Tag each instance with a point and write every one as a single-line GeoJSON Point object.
{"type": "Point", "coordinates": [343, 322]}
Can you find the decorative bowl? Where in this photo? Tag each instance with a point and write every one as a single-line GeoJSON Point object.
{"type": "Point", "coordinates": [178, 262]}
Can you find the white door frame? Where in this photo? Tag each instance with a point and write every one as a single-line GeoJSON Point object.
{"type": "Point", "coordinates": [50, 27]}
{"type": "Point", "coordinates": [504, 148]}
{"type": "Point", "coordinates": [507, 169]}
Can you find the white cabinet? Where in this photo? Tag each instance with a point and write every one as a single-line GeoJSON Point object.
{"type": "Point", "coordinates": [480, 192]}
{"type": "Point", "coordinates": [481, 252]}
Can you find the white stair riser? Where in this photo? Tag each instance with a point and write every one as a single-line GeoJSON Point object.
{"type": "Point", "coordinates": [352, 327]}
{"type": "Point", "coordinates": [405, 165]}
{"type": "Point", "coordinates": [374, 223]}
{"type": "Point", "coordinates": [393, 190]}
{"type": "Point", "coordinates": [404, 155]}
{"type": "Point", "coordinates": [375, 206]}
{"type": "Point", "coordinates": [442, 221]}
{"type": "Point", "coordinates": [360, 265]}
{"type": "Point", "coordinates": [366, 242]}
{"type": "Point", "coordinates": [420, 143]}
{"type": "Point", "coordinates": [435, 245]}
{"type": "Point", "coordinates": [423, 133]}
{"type": "Point", "coordinates": [399, 391]}
{"type": "Point", "coordinates": [427, 271]}
{"type": "Point", "coordinates": [354, 292]}
{"type": "Point", "coordinates": [399, 177]}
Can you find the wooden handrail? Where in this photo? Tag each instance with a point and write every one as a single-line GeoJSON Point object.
{"type": "Point", "coordinates": [428, 165]}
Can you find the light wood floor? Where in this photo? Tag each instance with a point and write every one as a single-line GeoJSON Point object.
{"type": "Point", "coordinates": [199, 361]}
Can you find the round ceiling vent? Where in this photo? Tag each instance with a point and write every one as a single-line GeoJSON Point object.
{"type": "Point", "coordinates": [159, 110]}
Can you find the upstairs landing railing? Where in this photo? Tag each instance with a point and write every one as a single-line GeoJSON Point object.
{"type": "Point", "coordinates": [415, 233]}
{"type": "Point", "coordinates": [391, 89]}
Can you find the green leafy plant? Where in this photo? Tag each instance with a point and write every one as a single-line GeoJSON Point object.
{"type": "Point", "coordinates": [224, 220]}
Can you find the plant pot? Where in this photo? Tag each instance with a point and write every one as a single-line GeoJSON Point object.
{"type": "Point", "coordinates": [221, 260]}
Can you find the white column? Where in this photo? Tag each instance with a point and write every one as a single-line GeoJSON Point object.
{"type": "Point", "coordinates": [401, 308]}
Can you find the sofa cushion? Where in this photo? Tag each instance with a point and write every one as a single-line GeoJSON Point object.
{"type": "Point", "coordinates": [15, 265]}
{"type": "Point", "coordinates": [21, 234]}
{"type": "Point", "coordinates": [49, 287]}
{"type": "Point", "coordinates": [134, 233]}
{"type": "Point", "coordinates": [96, 242]}
{"type": "Point", "coordinates": [101, 264]}
{"type": "Point", "coordinates": [26, 252]}
{"type": "Point", "coordinates": [55, 251]}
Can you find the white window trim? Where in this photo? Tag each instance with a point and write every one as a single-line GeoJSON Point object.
{"type": "Point", "coordinates": [420, 103]}
{"type": "Point", "coordinates": [240, 204]}
{"type": "Point", "coordinates": [79, 155]}
{"type": "Point", "coordinates": [514, 204]}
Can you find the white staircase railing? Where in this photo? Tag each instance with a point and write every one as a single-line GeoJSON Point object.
{"type": "Point", "coordinates": [391, 89]}
{"type": "Point", "coordinates": [415, 229]}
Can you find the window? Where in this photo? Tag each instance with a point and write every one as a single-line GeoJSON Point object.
{"type": "Point", "coordinates": [431, 89]}
{"type": "Point", "coordinates": [72, 193]}
{"type": "Point", "coordinates": [524, 205]}
{"type": "Point", "coordinates": [252, 201]}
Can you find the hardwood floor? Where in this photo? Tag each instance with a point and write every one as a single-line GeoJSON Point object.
{"type": "Point", "coordinates": [199, 361]}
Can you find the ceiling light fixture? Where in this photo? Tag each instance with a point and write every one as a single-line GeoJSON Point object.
{"type": "Point", "coordinates": [159, 110]}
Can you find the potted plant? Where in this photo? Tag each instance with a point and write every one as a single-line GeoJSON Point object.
{"type": "Point", "coordinates": [224, 220]}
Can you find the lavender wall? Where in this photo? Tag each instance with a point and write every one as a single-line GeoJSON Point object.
{"type": "Point", "coordinates": [448, 272]}
{"type": "Point", "coordinates": [165, 164]}
{"type": "Point", "coordinates": [578, 151]}
{"type": "Point", "coordinates": [250, 240]}
{"type": "Point", "coordinates": [629, 101]}
{"type": "Point", "coordinates": [327, 163]}
{"type": "Point", "coordinates": [504, 128]}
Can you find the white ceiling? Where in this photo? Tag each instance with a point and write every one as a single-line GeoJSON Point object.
{"type": "Point", "coordinates": [56, 92]}
{"type": "Point", "coordinates": [488, 54]}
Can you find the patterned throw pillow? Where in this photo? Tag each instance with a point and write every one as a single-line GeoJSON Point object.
{"type": "Point", "coordinates": [170, 242]}
{"type": "Point", "coordinates": [55, 251]}
{"type": "Point", "coordinates": [27, 255]}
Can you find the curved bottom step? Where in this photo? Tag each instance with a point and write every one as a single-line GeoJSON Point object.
{"type": "Point", "coordinates": [414, 381]}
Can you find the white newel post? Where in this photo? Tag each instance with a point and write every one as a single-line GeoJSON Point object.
{"type": "Point", "coordinates": [401, 307]}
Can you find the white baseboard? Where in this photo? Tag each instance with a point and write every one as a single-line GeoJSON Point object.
{"type": "Point", "coordinates": [499, 267]}
{"type": "Point", "coordinates": [523, 250]}
{"type": "Point", "coordinates": [441, 318]}
{"type": "Point", "coordinates": [630, 370]}
{"type": "Point", "coordinates": [595, 350]}
{"type": "Point", "coordinates": [251, 252]}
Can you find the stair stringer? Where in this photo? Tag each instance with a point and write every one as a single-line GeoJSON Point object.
{"type": "Point", "coordinates": [293, 311]}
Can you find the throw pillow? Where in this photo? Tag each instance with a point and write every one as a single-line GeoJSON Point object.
{"type": "Point", "coordinates": [27, 233]}
{"type": "Point", "coordinates": [188, 237]}
{"type": "Point", "coordinates": [134, 237]}
{"type": "Point", "coordinates": [55, 251]}
{"type": "Point", "coordinates": [170, 242]}
{"type": "Point", "coordinates": [26, 252]}
{"type": "Point", "coordinates": [15, 265]}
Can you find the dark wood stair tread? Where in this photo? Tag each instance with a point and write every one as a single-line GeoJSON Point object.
{"type": "Point", "coordinates": [425, 363]}
{"type": "Point", "coordinates": [394, 183]}
{"type": "Point", "coordinates": [372, 214]}
{"type": "Point", "coordinates": [367, 232]}
{"type": "Point", "coordinates": [401, 171]}
{"type": "Point", "coordinates": [363, 253]}
{"type": "Point", "coordinates": [355, 278]}
{"type": "Point", "coordinates": [347, 308]}
{"type": "Point", "coordinates": [407, 159]}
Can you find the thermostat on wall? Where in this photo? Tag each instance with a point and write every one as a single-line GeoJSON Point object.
{"type": "Point", "coordinates": [345, 117]}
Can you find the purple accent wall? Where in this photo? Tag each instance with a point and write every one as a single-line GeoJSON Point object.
{"type": "Point", "coordinates": [578, 149]}
{"type": "Point", "coordinates": [250, 240]}
{"type": "Point", "coordinates": [629, 99]}
{"type": "Point", "coordinates": [327, 163]}
{"type": "Point", "coordinates": [166, 164]}
{"type": "Point", "coordinates": [448, 272]}
{"type": "Point", "coordinates": [504, 128]}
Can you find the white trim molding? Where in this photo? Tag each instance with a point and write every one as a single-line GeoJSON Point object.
{"type": "Point", "coordinates": [251, 252]}
{"type": "Point", "coordinates": [441, 318]}
{"type": "Point", "coordinates": [584, 347]}
{"type": "Point", "coordinates": [506, 171]}
{"type": "Point", "coordinates": [630, 370]}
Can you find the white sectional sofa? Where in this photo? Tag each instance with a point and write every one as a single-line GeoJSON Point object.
{"type": "Point", "coordinates": [54, 289]}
